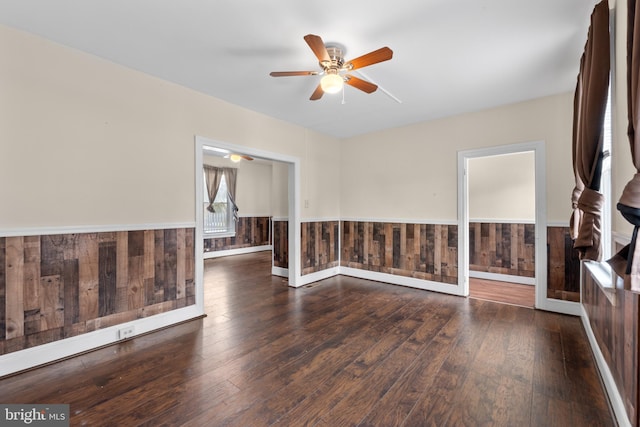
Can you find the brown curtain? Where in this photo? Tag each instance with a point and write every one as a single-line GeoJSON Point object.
{"type": "Point", "coordinates": [588, 117]}
{"type": "Point", "coordinates": [212, 176]}
{"type": "Point", "coordinates": [230, 175]}
{"type": "Point", "coordinates": [628, 260]}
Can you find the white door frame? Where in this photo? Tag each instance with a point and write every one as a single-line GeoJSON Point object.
{"type": "Point", "coordinates": [293, 215]}
{"type": "Point", "coordinates": [538, 147]}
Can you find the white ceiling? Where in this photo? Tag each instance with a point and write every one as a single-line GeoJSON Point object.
{"type": "Point", "coordinates": [450, 56]}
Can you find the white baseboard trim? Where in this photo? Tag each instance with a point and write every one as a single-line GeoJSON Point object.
{"type": "Point", "coordinates": [46, 353]}
{"type": "Point", "coordinates": [318, 275]}
{"type": "Point", "coordinates": [279, 271]}
{"type": "Point", "coordinates": [503, 277]}
{"type": "Point", "coordinates": [239, 251]}
{"type": "Point", "coordinates": [617, 404]}
{"type": "Point", "coordinates": [411, 282]}
{"type": "Point", "coordinates": [559, 306]}
{"type": "Point", "coordinates": [372, 275]}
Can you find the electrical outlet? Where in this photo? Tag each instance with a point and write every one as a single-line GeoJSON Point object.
{"type": "Point", "coordinates": [126, 333]}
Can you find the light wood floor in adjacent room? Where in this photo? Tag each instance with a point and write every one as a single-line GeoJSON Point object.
{"type": "Point", "coordinates": [339, 352]}
{"type": "Point", "coordinates": [504, 292]}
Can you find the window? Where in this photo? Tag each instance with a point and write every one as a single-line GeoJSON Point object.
{"type": "Point", "coordinates": [601, 272]}
{"type": "Point", "coordinates": [605, 184]}
{"type": "Point", "coordinates": [219, 223]}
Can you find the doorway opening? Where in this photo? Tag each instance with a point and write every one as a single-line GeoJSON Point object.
{"type": "Point", "coordinates": [289, 170]}
{"type": "Point", "coordinates": [534, 232]}
{"type": "Point", "coordinates": [501, 205]}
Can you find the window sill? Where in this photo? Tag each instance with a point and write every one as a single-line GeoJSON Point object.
{"type": "Point", "coordinates": [604, 276]}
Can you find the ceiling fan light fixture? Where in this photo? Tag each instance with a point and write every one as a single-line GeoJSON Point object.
{"type": "Point", "coordinates": [335, 70]}
{"type": "Point", "coordinates": [331, 83]}
{"type": "Point", "coordinates": [235, 158]}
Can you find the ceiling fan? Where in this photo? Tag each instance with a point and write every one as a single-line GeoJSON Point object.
{"type": "Point", "coordinates": [335, 70]}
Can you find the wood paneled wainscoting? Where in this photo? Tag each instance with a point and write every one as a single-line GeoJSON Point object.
{"type": "Point", "coordinates": [613, 315]}
{"type": "Point", "coordinates": [563, 280]}
{"type": "Point", "coordinates": [250, 232]}
{"type": "Point", "coordinates": [320, 245]}
{"type": "Point", "coordinates": [281, 243]}
{"type": "Point", "coordinates": [502, 248]}
{"type": "Point", "coordinates": [58, 286]}
{"type": "Point", "coordinates": [343, 352]}
{"type": "Point", "coordinates": [510, 249]}
{"type": "Point", "coordinates": [422, 251]}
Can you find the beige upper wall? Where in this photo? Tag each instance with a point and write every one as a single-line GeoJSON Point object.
{"type": "Point", "coordinates": [411, 172]}
{"type": "Point", "coordinates": [502, 188]}
{"type": "Point", "coordinates": [87, 142]}
{"type": "Point", "coordinates": [280, 190]}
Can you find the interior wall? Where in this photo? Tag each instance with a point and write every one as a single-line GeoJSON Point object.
{"type": "Point", "coordinates": [411, 172]}
{"type": "Point", "coordinates": [280, 188]}
{"type": "Point", "coordinates": [322, 182]}
{"type": "Point", "coordinates": [502, 188]}
{"type": "Point", "coordinates": [97, 136]}
{"type": "Point", "coordinates": [131, 136]}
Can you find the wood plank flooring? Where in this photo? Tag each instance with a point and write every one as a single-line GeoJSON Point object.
{"type": "Point", "coordinates": [504, 292]}
{"type": "Point", "coordinates": [339, 352]}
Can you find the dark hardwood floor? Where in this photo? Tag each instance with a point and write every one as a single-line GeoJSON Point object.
{"type": "Point", "coordinates": [339, 352]}
{"type": "Point", "coordinates": [504, 292]}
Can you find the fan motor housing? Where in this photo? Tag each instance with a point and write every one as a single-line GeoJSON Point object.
{"type": "Point", "coordinates": [336, 54]}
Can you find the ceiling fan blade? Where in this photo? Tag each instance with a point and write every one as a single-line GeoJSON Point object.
{"type": "Point", "coordinates": [317, 94]}
{"type": "Point", "coordinates": [293, 73]}
{"type": "Point", "coordinates": [236, 157]}
{"type": "Point", "coordinates": [380, 55]}
{"type": "Point", "coordinates": [317, 46]}
{"type": "Point", "coordinates": [363, 85]}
